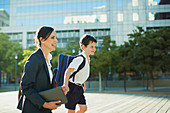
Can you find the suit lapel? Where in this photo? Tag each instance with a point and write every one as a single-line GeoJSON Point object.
{"type": "Point", "coordinates": [40, 53]}
{"type": "Point", "coordinates": [53, 80]}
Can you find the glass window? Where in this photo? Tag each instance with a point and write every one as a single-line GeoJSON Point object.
{"type": "Point", "coordinates": [64, 6]}
{"type": "Point", "coordinates": [30, 42]}
{"type": "Point", "coordinates": [59, 40]}
{"type": "Point", "coordinates": [5, 4]}
{"type": "Point", "coordinates": [151, 16]}
{"type": "Point", "coordinates": [15, 37]}
{"type": "Point", "coordinates": [59, 34]}
{"type": "Point", "coordinates": [159, 16]}
{"type": "Point", "coordinates": [100, 33]}
{"type": "Point", "coordinates": [76, 34]}
{"type": "Point", "coordinates": [64, 40]}
{"type": "Point", "coordinates": [119, 3]}
{"type": "Point", "coordinates": [135, 17]}
{"type": "Point", "coordinates": [39, 21]}
{"type": "Point", "coordinates": [158, 2]}
{"type": "Point", "coordinates": [30, 35]}
{"type": "Point", "coordinates": [119, 17]}
{"type": "Point", "coordinates": [135, 2]}
{"type": "Point", "coordinates": [85, 19]}
{"type": "Point", "coordinates": [61, 20]}
{"type": "Point", "coordinates": [4, 18]}
{"type": "Point", "coordinates": [99, 41]}
{"type": "Point", "coordinates": [64, 34]}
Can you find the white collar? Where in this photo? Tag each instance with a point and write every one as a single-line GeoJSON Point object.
{"type": "Point", "coordinates": [49, 56]}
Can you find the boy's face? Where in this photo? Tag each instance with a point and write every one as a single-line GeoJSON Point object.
{"type": "Point", "coordinates": [90, 49]}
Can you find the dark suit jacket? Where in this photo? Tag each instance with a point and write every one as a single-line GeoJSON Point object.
{"type": "Point", "coordinates": [35, 79]}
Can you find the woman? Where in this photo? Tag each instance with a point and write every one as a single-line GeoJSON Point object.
{"type": "Point", "coordinates": [38, 75]}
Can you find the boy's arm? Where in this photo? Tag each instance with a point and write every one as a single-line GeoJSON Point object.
{"type": "Point", "coordinates": [66, 77]}
{"type": "Point", "coordinates": [84, 87]}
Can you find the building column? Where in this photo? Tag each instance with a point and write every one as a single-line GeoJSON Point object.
{"type": "Point", "coordinates": [24, 40]}
{"type": "Point", "coordinates": [81, 32]}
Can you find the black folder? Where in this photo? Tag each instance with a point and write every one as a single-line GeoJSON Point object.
{"type": "Point", "coordinates": [54, 94]}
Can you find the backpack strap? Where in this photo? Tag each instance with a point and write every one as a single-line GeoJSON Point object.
{"type": "Point", "coordinates": [79, 68]}
{"type": "Point", "coordinates": [61, 69]}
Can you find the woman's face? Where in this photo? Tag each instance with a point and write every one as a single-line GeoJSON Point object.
{"type": "Point", "coordinates": [51, 42]}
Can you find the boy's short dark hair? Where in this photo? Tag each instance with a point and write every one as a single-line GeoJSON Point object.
{"type": "Point", "coordinates": [86, 39]}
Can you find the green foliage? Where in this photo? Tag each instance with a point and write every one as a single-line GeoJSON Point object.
{"type": "Point", "coordinates": [26, 54]}
{"type": "Point", "coordinates": [146, 51]}
{"type": "Point", "coordinates": [8, 50]}
{"type": "Point", "coordinates": [105, 60]}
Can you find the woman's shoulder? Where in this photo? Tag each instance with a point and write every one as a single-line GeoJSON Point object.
{"type": "Point", "coordinates": [36, 56]}
{"type": "Point", "coordinates": [34, 60]}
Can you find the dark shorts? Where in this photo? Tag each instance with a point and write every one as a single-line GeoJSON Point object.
{"type": "Point", "coordinates": [75, 96]}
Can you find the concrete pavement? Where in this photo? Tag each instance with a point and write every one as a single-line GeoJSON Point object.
{"type": "Point", "coordinates": [103, 103]}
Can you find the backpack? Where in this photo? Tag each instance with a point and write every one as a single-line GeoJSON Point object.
{"type": "Point", "coordinates": [63, 63]}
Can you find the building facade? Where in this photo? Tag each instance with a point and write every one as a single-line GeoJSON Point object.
{"type": "Point", "coordinates": [4, 18]}
{"type": "Point", "coordinates": [73, 18]}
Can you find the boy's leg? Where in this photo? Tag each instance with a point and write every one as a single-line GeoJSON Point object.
{"type": "Point", "coordinates": [71, 111]}
{"type": "Point", "coordinates": [82, 104]}
{"type": "Point", "coordinates": [71, 97]}
{"type": "Point", "coordinates": [83, 108]}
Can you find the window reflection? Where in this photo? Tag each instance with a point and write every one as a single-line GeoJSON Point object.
{"type": "Point", "coordinates": [135, 17]}
{"type": "Point", "coordinates": [159, 16]}
{"type": "Point", "coordinates": [4, 18]}
{"type": "Point", "coordinates": [68, 36]}
{"type": "Point", "coordinates": [16, 37]}
{"type": "Point", "coordinates": [85, 19]}
{"type": "Point", "coordinates": [5, 4]}
{"type": "Point", "coordinates": [119, 3]}
{"type": "Point", "coordinates": [120, 17]}
{"type": "Point", "coordinates": [135, 2]}
{"type": "Point", "coordinates": [61, 7]}
{"type": "Point", "coordinates": [62, 20]}
{"type": "Point", "coordinates": [39, 21]}
{"type": "Point", "coordinates": [4, 12]}
{"type": "Point", "coordinates": [158, 2]}
{"type": "Point", "coordinates": [151, 16]}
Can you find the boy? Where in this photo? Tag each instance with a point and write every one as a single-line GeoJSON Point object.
{"type": "Point", "coordinates": [77, 86]}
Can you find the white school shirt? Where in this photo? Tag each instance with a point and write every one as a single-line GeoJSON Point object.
{"type": "Point", "coordinates": [83, 74]}
{"type": "Point", "coordinates": [49, 57]}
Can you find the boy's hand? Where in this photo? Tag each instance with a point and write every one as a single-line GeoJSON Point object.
{"type": "Point", "coordinates": [84, 87]}
{"type": "Point", "coordinates": [51, 105]}
{"type": "Point", "coordinates": [66, 79]}
{"type": "Point", "coordinates": [65, 89]}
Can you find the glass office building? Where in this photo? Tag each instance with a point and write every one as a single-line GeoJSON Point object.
{"type": "Point", "coordinates": [73, 18]}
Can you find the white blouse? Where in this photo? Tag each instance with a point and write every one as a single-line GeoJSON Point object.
{"type": "Point", "coordinates": [49, 57]}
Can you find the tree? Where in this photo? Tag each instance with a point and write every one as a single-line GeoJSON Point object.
{"type": "Point", "coordinates": [26, 54]}
{"type": "Point", "coordinates": [8, 50]}
{"type": "Point", "coordinates": [104, 61]}
{"type": "Point", "coordinates": [125, 61]}
{"type": "Point", "coordinates": [148, 51]}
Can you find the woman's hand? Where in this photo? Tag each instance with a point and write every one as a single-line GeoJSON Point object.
{"type": "Point", "coordinates": [65, 89]}
{"type": "Point", "coordinates": [51, 105]}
